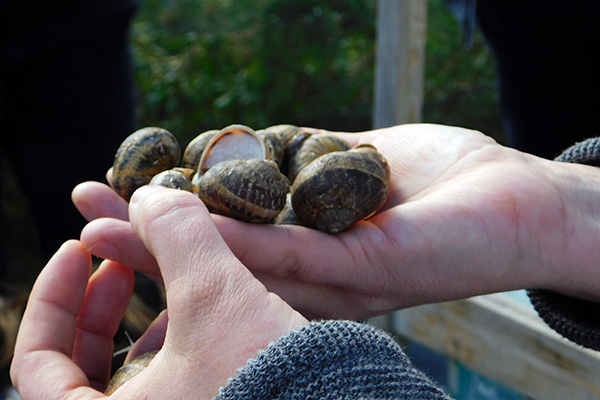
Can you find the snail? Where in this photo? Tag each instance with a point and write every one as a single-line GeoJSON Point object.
{"type": "Point", "coordinates": [194, 149]}
{"type": "Point", "coordinates": [250, 190]}
{"type": "Point", "coordinates": [176, 178]}
{"type": "Point", "coordinates": [340, 188]}
{"type": "Point", "coordinates": [143, 154]}
{"type": "Point", "coordinates": [306, 148]}
{"type": "Point", "coordinates": [128, 371]}
{"type": "Point", "coordinates": [233, 142]}
{"type": "Point", "coordinates": [287, 216]}
{"type": "Point", "coordinates": [328, 186]}
{"type": "Point", "coordinates": [277, 138]}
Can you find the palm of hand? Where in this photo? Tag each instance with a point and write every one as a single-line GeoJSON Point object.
{"type": "Point", "coordinates": [457, 200]}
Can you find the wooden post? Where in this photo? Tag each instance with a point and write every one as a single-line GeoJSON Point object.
{"type": "Point", "coordinates": [400, 61]}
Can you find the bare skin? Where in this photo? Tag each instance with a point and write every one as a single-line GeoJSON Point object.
{"type": "Point", "coordinates": [220, 316]}
{"type": "Point", "coordinates": [466, 216]}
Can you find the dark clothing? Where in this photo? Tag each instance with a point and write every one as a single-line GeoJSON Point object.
{"type": "Point", "coordinates": [548, 81]}
{"type": "Point", "coordinates": [66, 101]}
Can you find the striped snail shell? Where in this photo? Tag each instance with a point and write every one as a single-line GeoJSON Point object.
{"type": "Point", "coordinates": [287, 216]}
{"type": "Point", "coordinates": [128, 371]}
{"type": "Point", "coordinates": [307, 148]}
{"type": "Point", "coordinates": [143, 154]}
{"type": "Point", "coordinates": [195, 148]}
{"type": "Point", "coordinates": [340, 188]}
{"type": "Point", "coordinates": [175, 178]}
{"type": "Point", "coordinates": [277, 138]}
{"type": "Point", "coordinates": [249, 190]}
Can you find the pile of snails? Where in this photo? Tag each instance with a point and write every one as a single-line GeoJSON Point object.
{"type": "Point", "coordinates": [281, 174]}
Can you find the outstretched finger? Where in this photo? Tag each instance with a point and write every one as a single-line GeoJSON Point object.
{"type": "Point", "coordinates": [96, 200]}
{"type": "Point", "coordinates": [47, 334]}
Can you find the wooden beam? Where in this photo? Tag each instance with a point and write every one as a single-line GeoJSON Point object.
{"type": "Point", "coordinates": [400, 62]}
{"type": "Point", "coordinates": [506, 341]}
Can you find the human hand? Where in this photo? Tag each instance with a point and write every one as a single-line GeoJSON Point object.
{"type": "Point", "coordinates": [465, 216]}
{"type": "Point", "coordinates": [219, 314]}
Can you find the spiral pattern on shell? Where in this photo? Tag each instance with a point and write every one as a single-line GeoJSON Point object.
{"type": "Point", "coordinates": [143, 154]}
{"type": "Point", "coordinates": [250, 190]}
{"type": "Point", "coordinates": [340, 188]}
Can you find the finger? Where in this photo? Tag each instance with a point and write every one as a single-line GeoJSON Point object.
{"type": "Point", "coordinates": [152, 339]}
{"type": "Point", "coordinates": [96, 200]}
{"type": "Point", "coordinates": [115, 240]}
{"type": "Point", "coordinates": [176, 228]}
{"type": "Point", "coordinates": [291, 251]}
{"type": "Point", "coordinates": [209, 291]}
{"type": "Point", "coordinates": [106, 300]}
{"type": "Point", "coordinates": [47, 332]}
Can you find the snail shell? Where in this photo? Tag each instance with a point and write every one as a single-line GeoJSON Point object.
{"type": "Point", "coordinates": [233, 142]}
{"type": "Point", "coordinates": [176, 178]}
{"type": "Point", "coordinates": [195, 148]}
{"type": "Point", "coordinates": [143, 154]}
{"type": "Point", "coordinates": [287, 216]}
{"type": "Point", "coordinates": [277, 138]}
{"type": "Point", "coordinates": [250, 190]}
{"type": "Point", "coordinates": [128, 371]}
{"type": "Point", "coordinates": [340, 188]}
{"type": "Point", "coordinates": [307, 148]}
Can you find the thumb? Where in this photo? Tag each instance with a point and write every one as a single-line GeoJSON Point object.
{"type": "Point", "coordinates": [194, 260]}
{"type": "Point", "coordinates": [219, 314]}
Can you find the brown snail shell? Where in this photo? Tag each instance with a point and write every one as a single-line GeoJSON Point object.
{"type": "Point", "coordinates": [287, 216]}
{"type": "Point", "coordinates": [237, 142]}
{"type": "Point", "coordinates": [249, 190]}
{"type": "Point", "coordinates": [195, 148]}
{"type": "Point", "coordinates": [128, 371]}
{"type": "Point", "coordinates": [340, 188]}
{"type": "Point", "coordinates": [307, 148]}
{"type": "Point", "coordinates": [176, 178]}
{"type": "Point", "coordinates": [277, 138]}
{"type": "Point", "coordinates": [233, 142]}
{"type": "Point", "coordinates": [143, 154]}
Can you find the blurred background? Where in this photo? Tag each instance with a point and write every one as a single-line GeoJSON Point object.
{"type": "Point", "coordinates": [205, 64]}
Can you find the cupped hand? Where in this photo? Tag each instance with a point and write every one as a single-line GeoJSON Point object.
{"type": "Point", "coordinates": [220, 316]}
{"type": "Point", "coordinates": [465, 216]}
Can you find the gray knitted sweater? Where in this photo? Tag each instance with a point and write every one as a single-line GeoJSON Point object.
{"type": "Point", "coordinates": [348, 360]}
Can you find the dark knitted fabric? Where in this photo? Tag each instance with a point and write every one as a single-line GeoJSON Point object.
{"type": "Point", "coordinates": [577, 320]}
{"type": "Point", "coordinates": [332, 360]}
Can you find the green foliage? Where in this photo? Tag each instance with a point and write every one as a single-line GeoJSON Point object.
{"type": "Point", "coordinates": [205, 64]}
{"type": "Point", "coordinates": [460, 85]}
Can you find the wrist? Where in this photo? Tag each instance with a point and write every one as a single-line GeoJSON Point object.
{"type": "Point", "coordinates": [574, 249]}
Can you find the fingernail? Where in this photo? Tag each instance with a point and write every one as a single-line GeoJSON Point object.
{"type": "Point", "coordinates": [143, 192]}
{"type": "Point", "coordinates": [103, 249]}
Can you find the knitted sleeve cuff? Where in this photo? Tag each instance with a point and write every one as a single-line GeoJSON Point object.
{"type": "Point", "coordinates": [576, 319]}
{"type": "Point", "coordinates": [331, 360]}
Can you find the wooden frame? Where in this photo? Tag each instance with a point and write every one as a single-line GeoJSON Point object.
{"type": "Point", "coordinates": [505, 340]}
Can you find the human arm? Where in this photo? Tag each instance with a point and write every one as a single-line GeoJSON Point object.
{"type": "Point", "coordinates": [465, 216]}
{"type": "Point", "coordinates": [222, 324]}
{"type": "Point", "coordinates": [219, 315]}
